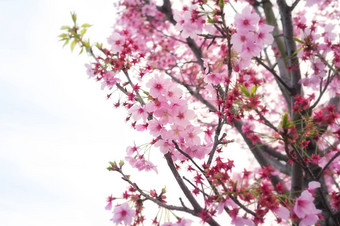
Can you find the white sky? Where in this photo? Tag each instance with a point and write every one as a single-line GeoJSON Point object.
{"type": "Point", "coordinates": [57, 130]}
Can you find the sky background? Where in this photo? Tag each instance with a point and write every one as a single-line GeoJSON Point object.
{"type": "Point", "coordinates": [57, 130]}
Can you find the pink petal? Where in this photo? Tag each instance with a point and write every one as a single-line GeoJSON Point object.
{"type": "Point", "coordinates": [313, 185]}
{"type": "Point", "coordinates": [282, 212]}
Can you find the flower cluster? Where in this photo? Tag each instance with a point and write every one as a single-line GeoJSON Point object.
{"type": "Point", "coordinates": [251, 36]}
{"type": "Point", "coordinates": [196, 75]}
{"type": "Point", "coordinates": [304, 207]}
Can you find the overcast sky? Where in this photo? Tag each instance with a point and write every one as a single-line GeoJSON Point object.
{"type": "Point", "coordinates": [57, 130]}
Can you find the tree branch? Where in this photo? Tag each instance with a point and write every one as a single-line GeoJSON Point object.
{"type": "Point", "coordinates": [186, 191]}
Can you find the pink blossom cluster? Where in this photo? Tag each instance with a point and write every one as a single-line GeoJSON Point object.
{"type": "Point", "coordinates": [138, 161]}
{"type": "Point", "coordinates": [185, 77]}
{"type": "Point", "coordinates": [171, 119]}
{"type": "Point", "coordinates": [189, 23]}
{"type": "Point", "coordinates": [304, 207]}
{"type": "Point", "coordinates": [251, 36]}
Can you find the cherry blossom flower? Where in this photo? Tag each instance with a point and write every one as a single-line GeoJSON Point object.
{"type": "Point", "coordinates": [138, 112]}
{"type": "Point", "coordinates": [142, 164]}
{"type": "Point", "coordinates": [191, 135]}
{"type": "Point", "coordinates": [309, 220]}
{"type": "Point", "coordinates": [313, 185]}
{"type": "Point", "coordinates": [312, 2]}
{"type": "Point", "coordinates": [89, 70]}
{"type": "Point", "coordinates": [149, 10]}
{"type": "Point", "coordinates": [247, 20]}
{"type": "Point", "coordinates": [264, 35]}
{"type": "Point", "coordinates": [116, 41]}
{"type": "Point", "coordinates": [240, 221]}
{"type": "Point", "coordinates": [184, 222]}
{"type": "Point", "coordinates": [109, 204]}
{"type": "Point", "coordinates": [183, 115]}
{"type": "Point", "coordinates": [156, 128]}
{"type": "Point", "coordinates": [214, 78]}
{"type": "Point", "coordinates": [164, 146]}
{"type": "Point", "coordinates": [189, 24]}
{"type": "Point", "coordinates": [164, 114]}
{"type": "Point", "coordinates": [158, 85]}
{"type": "Point", "coordinates": [173, 93]}
{"type": "Point", "coordinates": [282, 212]}
{"type": "Point", "coordinates": [123, 214]}
{"type": "Point", "coordinates": [240, 40]}
{"type": "Point", "coordinates": [110, 79]}
{"type": "Point", "coordinates": [304, 207]}
{"type": "Point", "coordinates": [196, 151]}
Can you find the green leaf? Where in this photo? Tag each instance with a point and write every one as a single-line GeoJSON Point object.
{"type": "Point", "coordinates": [221, 3]}
{"type": "Point", "coordinates": [74, 17]}
{"type": "Point", "coordinates": [65, 28]}
{"type": "Point", "coordinates": [298, 40]}
{"type": "Point", "coordinates": [164, 190]}
{"type": "Point", "coordinates": [87, 44]}
{"type": "Point", "coordinates": [253, 89]}
{"type": "Point", "coordinates": [113, 164]}
{"type": "Point", "coordinates": [285, 123]}
{"type": "Point", "coordinates": [211, 21]}
{"type": "Point", "coordinates": [245, 90]}
{"type": "Point", "coordinates": [99, 45]}
{"type": "Point", "coordinates": [73, 44]}
{"type": "Point", "coordinates": [82, 32]}
{"type": "Point", "coordinates": [298, 50]}
{"type": "Point", "coordinates": [81, 51]}
{"type": "Point", "coordinates": [66, 42]}
{"type": "Point", "coordinates": [63, 35]}
{"type": "Point", "coordinates": [121, 163]}
{"type": "Point", "coordinates": [86, 25]}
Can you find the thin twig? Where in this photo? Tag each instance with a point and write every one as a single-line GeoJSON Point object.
{"type": "Point", "coordinates": [328, 163]}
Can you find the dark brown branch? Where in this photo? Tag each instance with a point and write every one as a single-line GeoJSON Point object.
{"type": "Point", "coordinates": [258, 154]}
{"type": "Point", "coordinates": [197, 95]}
{"type": "Point", "coordinates": [274, 153]}
{"type": "Point", "coordinates": [236, 200]}
{"type": "Point", "coordinates": [276, 76]}
{"type": "Point", "coordinates": [140, 99]}
{"type": "Point", "coordinates": [328, 163]}
{"type": "Point", "coordinates": [184, 188]}
{"type": "Point", "coordinates": [156, 201]}
{"type": "Point", "coordinates": [167, 11]}
{"type": "Point", "coordinates": [294, 5]}
{"type": "Point", "coordinates": [266, 121]}
{"type": "Point", "coordinates": [188, 156]}
{"type": "Point", "coordinates": [216, 141]}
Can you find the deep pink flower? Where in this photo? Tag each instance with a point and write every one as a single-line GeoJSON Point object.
{"type": "Point", "coordinates": [109, 202]}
